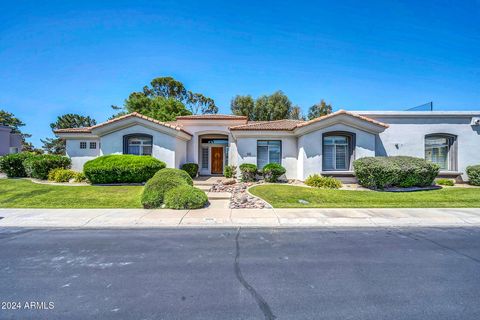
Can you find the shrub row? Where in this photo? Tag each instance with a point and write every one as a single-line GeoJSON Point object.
{"type": "Point", "coordinates": [271, 172]}
{"type": "Point", "coordinates": [318, 181]}
{"type": "Point", "coordinates": [174, 188]}
{"type": "Point", "coordinates": [65, 175]}
{"type": "Point", "coordinates": [121, 168]}
{"type": "Point", "coordinates": [399, 171]}
{"type": "Point", "coordinates": [32, 165]}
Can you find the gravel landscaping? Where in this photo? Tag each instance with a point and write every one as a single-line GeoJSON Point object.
{"type": "Point", "coordinates": [240, 198]}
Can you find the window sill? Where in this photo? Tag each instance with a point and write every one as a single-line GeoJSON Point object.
{"type": "Point", "coordinates": [338, 173]}
{"type": "Point", "coordinates": [450, 173]}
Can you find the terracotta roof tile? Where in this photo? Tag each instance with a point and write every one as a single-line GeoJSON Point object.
{"type": "Point", "coordinates": [285, 124]}
{"type": "Point", "coordinates": [130, 115]}
{"type": "Point", "coordinates": [212, 117]}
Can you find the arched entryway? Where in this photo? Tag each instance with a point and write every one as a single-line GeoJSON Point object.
{"type": "Point", "coordinates": [213, 153]}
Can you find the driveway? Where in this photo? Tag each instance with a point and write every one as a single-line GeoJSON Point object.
{"type": "Point", "coordinates": [242, 274]}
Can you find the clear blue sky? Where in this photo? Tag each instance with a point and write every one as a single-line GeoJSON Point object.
{"type": "Point", "coordinates": [65, 57]}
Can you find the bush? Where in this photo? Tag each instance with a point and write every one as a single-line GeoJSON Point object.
{"type": "Point", "coordinates": [248, 171]}
{"type": "Point", "coordinates": [12, 164]}
{"type": "Point", "coordinates": [164, 180]}
{"type": "Point", "coordinates": [230, 171]}
{"type": "Point", "coordinates": [79, 177]}
{"type": "Point", "coordinates": [473, 173]}
{"type": "Point", "coordinates": [61, 175]}
{"type": "Point", "coordinates": [399, 171]}
{"type": "Point", "coordinates": [185, 197]}
{"type": "Point", "coordinates": [191, 168]}
{"type": "Point", "coordinates": [273, 171]}
{"type": "Point", "coordinates": [319, 181]}
{"type": "Point", "coordinates": [121, 168]}
{"type": "Point", "coordinates": [38, 166]}
{"type": "Point", "coordinates": [445, 182]}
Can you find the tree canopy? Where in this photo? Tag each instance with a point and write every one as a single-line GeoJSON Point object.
{"type": "Point", "coordinates": [57, 145]}
{"type": "Point", "coordinates": [265, 108]}
{"type": "Point", "coordinates": [165, 99]}
{"type": "Point", "coordinates": [319, 109]}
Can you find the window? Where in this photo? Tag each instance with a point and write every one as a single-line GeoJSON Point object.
{"type": "Point", "coordinates": [337, 151]}
{"type": "Point", "coordinates": [83, 145]}
{"type": "Point", "coordinates": [440, 149]}
{"type": "Point", "coordinates": [138, 144]}
{"type": "Point", "coordinates": [268, 152]}
{"type": "Point", "coordinates": [93, 145]}
{"type": "Point", "coordinates": [204, 158]}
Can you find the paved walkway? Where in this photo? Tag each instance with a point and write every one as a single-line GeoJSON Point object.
{"type": "Point", "coordinates": [219, 215]}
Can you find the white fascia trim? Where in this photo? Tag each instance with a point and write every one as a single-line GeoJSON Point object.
{"type": "Point", "coordinates": [129, 122]}
{"type": "Point", "coordinates": [341, 119]}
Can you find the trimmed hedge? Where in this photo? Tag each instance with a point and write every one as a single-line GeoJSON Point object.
{"type": "Point", "coordinates": [230, 171]}
{"type": "Point", "coordinates": [273, 171]}
{"type": "Point", "coordinates": [12, 164]}
{"type": "Point", "coordinates": [38, 166]}
{"type": "Point", "coordinates": [398, 171]}
{"type": "Point", "coordinates": [473, 173]}
{"type": "Point", "coordinates": [121, 168]}
{"type": "Point", "coordinates": [445, 182]}
{"type": "Point", "coordinates": [164, 180]}
{"type": "Point", "coordinates": [318, 181]}
{"type": "Point", "coordinates": [248, 171]}
{"type": "Point", "coordinates": [191, 168]}
{"type": "Point", "coordinates": [185, 197]}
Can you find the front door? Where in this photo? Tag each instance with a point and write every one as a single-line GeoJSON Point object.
{"type": "Point", "coordinates": [217, 160]}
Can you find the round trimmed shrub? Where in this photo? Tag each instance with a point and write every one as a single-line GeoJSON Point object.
{"type": "Point", "coordinates": [185, 197]}
{"type": "Point", "coordinates": [248, 171]}
{"type": "Point", "coordinates": [121, 168]}
{"type": "Point", "coordinates": [398, 171]}
{"type": "Point", "coordinates": [12, 164]}
{"type": "Point", "coordinates": [191, 168]}
{"type": "Point", "coordinates": [229, 171]}
{"type": "Point", "coordinates": [273, 171]}
{"type": "Point", "coordinates": [318, 181]}
{"type": "Point", "coordinates": [473, 173]}
{"type": "Point", "coordinates": [38, 166]}
{"type": "Point", "coordinates": [164, 180]}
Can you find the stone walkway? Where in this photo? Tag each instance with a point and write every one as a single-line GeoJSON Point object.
{"type": "Point", "coordinates": [220, 215]}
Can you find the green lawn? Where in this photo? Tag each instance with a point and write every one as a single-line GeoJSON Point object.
{"type": "Point", "coordinates": [21, 193]}
{"type": "Point", "coordinates": [285, 196]}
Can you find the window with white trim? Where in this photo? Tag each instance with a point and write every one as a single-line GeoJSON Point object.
{"type": "Point", "coordinates": [268, 151]}
{"type": "Point", "coordinates": [439, 149]}
{"type": "Point", "coordinates": [93, 145]}
{"type": "Point", "coordinates": [204, 158]}
{"type": "Point", "coordinates": [138, 144]}
{"type": "Point", "coordinates": [337, 151]}
{"type": "Point", "coordinates": [83, 145]}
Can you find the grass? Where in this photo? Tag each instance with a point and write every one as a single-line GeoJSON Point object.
{"type": "Point", "coordinates": [21, 193]}
{"type": "Point", "coordinates": [284, 196]}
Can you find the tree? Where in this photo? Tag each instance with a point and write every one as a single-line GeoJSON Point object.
{"type": "Point", "coordinates": [296, 113]}
{"type": "Point", "coordinates": [265, 108]}
{"type": "Point", "coordinates": [57, 145]}
{"type": "Point", "coordinates": [9, 119]}
{"type": "Point", "coordinates": [243, 106]}
{"type": "Point", "coordinates": [319, 109]}
{"type": "Point", "coordinates": [165, 99]}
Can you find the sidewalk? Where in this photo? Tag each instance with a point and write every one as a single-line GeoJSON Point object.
{"type": "Point", "coordinates": [221, 216]}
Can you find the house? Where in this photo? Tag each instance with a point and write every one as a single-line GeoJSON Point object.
{"type": "Point", "coordinates": [326, 145]}
{"type": "Point", "coordinates": [9, 142]}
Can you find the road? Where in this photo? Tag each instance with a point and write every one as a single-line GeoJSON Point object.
{"type": "Point", "coordinates": [241, 274]}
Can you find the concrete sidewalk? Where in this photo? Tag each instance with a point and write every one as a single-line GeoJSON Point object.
{"type": "Point", "coordinates": [221, 216]}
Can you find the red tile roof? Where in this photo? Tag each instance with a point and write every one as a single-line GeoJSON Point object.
{"type": "Point", "coordinates": [212, 117]}
{"type": "Point", "coordinates": [282, 125]}
{"type": "Point", "coordinates": [130, 115]}
{"type": "Point", "coordinates": [306, 123]}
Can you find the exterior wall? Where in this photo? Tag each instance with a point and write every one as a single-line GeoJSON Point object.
{"type": "Point", "coordinates": [80, 156]}
{"type": "Point", "coordinates": [164, 145]}
{"type": "Point", "coordinates": [406, 136]}
{"type": "Point", "coordinates": [4, 140]}
{"type": "Point", "coordinates": [310, 148]}
{"type": "Point", "coordinates": [15, 142]}
{"type": "Point", "coordinates": [247, 152]}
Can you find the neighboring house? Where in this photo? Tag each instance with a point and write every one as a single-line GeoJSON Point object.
{"type": "Point", "coordinates": [326, 145]}
{"type": "Point", "coordinates": [9, 142]}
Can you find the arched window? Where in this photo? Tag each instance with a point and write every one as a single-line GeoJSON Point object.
{"type": "Point", "coordinates": [139, 144]}
{"type": "Point", "coordinates": [441, 149]}
{"type": "Point", "coordinates": [338, 150]}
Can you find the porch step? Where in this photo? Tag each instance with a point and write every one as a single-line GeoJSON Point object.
{"type": "Point", "coordinates": [203, 187]}
{"type": "Point", "coordinates": [218, 195]}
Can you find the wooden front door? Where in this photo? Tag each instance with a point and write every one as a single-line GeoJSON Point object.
{"type": "Point", "coordinates": [217, 160]}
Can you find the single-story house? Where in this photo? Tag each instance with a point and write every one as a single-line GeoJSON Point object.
{"type": "Point", "coordinates": [9, 142]}
{"type": "Point", "coordinates": [326, 145]}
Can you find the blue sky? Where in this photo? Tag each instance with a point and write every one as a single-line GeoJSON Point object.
{"type": "Point", "coordinates": [81, 57]}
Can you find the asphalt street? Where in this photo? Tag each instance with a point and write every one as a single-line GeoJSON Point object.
{"type": "Point", "coordinates": [428, 273]}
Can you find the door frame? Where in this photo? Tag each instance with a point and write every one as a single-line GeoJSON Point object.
{"type": "Point", "coordinates": [211, 159]}
{"type": "Point", "coordinates": [208, 171]}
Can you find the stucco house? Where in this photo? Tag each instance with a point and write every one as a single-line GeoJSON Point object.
{"type": "Point", "coordinates": [9, 142]}
{"type": "Point", "coordinates": [326, 145]}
